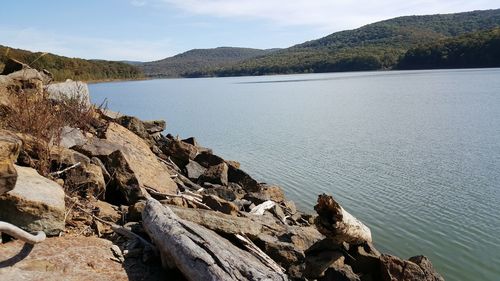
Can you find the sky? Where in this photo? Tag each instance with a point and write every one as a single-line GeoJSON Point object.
{"type": "Point", "coordinates": [147, 30]}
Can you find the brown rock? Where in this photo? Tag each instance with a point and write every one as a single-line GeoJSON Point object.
{"type": "Point", "coordinates": [395, 269]}
{"type": "Point", "coordinates": [36, 203]}
{"type": "Point", "coordinates": [319, 262]}
{"type": "Point", "coordinates": [343, 273]}
{"type": "Point", "coordinates": [240, 177]}
{"type": "Point", "coordinates": [61, 258]}
{"type": "Point", "coordinates": [107, 211]}
{"type": "Point", "coordinates": [234, 164]}
{"type": "Point", "coordinates": [365, 258]}
{"type": "Point", "coordinates": [180, 151]}
{"type": "Point", "coordinates": [207, 159]}
{"type": "Point", "coordinates": [10, 147]}
{"type": "Point", "coordinates": [135, 211]}
{"type": "Point", "coordinates": [221, 205]}
{"type": "Point", "coordinates": [215, 174]}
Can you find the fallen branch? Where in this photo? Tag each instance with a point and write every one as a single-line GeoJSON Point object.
{"type": "Point", "coordinates": [194, 199]}
{"type": "Point", "coordinates": [20, 234]}
{"type": "Point", "coordinates": [65, 170]}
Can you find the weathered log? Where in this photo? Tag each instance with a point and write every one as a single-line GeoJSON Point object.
{"type": "Point", "coordinates": [199, 253]}
{"type": "Point", "coordinates": [336, 223]}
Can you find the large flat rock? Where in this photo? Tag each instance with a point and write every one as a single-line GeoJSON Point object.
{"type": "Point", "coordinates": [10, 146]}
{"type": "Point", "coordinates": [36, 203]}
{"type": "Point", "coordinates": [142, 161]}
{"type": "Point", "coordinates": [64, 258]}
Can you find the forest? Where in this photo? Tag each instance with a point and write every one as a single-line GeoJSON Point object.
{"type": "Point", "coordinates": [63, 68]}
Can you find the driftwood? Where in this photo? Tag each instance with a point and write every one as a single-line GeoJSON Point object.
{"type": "Point", "coordinates": [20, 234]}
{"type": "Point", "coordinates": [261, 208]}
{"type": "Point", "coordinates": [199, 253]}
{"type": "Point", "coordinates": [336, 223]}
{"type": "Point", "coordinates": [217, 221]}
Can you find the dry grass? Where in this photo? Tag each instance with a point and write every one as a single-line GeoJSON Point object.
{"type": "Point", "coordinates": [33, 113]}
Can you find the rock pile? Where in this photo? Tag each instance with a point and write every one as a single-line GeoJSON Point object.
{"type": "Point", "coordinates": [160, 198]}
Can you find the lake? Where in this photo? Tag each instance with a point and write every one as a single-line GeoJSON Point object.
{"type": "Point", "coordinates": [413, 154]}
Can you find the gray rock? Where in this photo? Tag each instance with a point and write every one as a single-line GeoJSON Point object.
{"type": "Point", "coordinates": [36, 203]}
{"type": "Point", "coordinates": [69, 90]}
{"type": "Point", "coordinates": [194, 170]}
{"type": "Point", "coordinates": [71, 137]}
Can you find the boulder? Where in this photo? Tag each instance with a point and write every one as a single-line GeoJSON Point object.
{"type": "Point", "coordinates": [240, 177]}
{"type": "Point", "coordinates": [10, 146]}
{"type": "Point", "coordinates": [69, 90]}
{"type": "Point", "coordinates": [343, 273]}
{"type": "Point", "coordinates": [36, 203]}
{"type": "Point", "coordinates": [365, 258]}
{"type": "Point", "coordinates": [87, 179]}
{"type": "Point", "coordinates": [30, 79]}
{"type": "Point", "coordinates": [130, 162]}
{"type": "Point", "coordinates": [425, 264]}
{"type": "Point", "coordinates": [61, 258]}
{"type": "Point", "coordinates": [71, 137]}
{"type": "Point", "coordinates": [106, 211]}
{"type": "Point", "coordinates": [234, 164]}
{"type": "Point", "coordinates": [180, 151]}
{"type": "Point", "coordinates": [207, 159]}
{"type": "Point", "coordinates": [393, 268]}
{"type": "Point", "coordinates": [194, 170]}
{"type": "Point", "coordinates": [265, 193]}
{"type": "Point", "coordinates": [221, 205]}
{"type": "Point", "coordinates": [191, 141]}
{"type": "Point", "coordinates": [318, 263]}
{"type": "Point", "coordinates": [215, 174]}
{"type": "Point", "coordinates": [154, 127]}
{"type": "Point", "coordinates": [135, 125]}
{"type": "Point", "coordinates": [226, 193]}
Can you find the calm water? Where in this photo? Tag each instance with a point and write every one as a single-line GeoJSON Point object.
{"type": "Point", "coordinates": [415, 155]}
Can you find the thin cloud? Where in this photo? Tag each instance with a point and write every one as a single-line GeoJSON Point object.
{"type": "Point", "coordinates": [99, 48]}
{"type": "Point", "coordinates": [138, 3]}
{"type": "Point", "coordinates": [326, 14]}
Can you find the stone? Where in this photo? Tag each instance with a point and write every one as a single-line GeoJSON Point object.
{"type": "Point", "coordinates": [240, 177]}
{"type": "Point", "coordinates": [318, 263]}
{"type": "Point", "coordinates": [284, 253]}
{"type": "Point", "coordinates": [393, 268]}
{"type": "Point", "coordinates": [131, 163]}
{"type": "Point", "coordinates": [106, 211]}
{"type": "Point", "coordinates": [265, 193]}
{"type": "Point", "coordinates": [278, 212]}
{"type": "Point", "coordinates": [226, 193]}
{"type": "Point", "coordinates": [207, 159]}
{"type": "Point", "coordinates": [234, 164]}
{"type": "Point", "coordinates": [61, 258]}
{"type": "Point", "coordinates": [135, 125]}
{"type": "Point", "coordinates": [290, 207]}
{"type": "Point", "coordinates": [194, 170]}
{"type": "Point", "coordinates": [425, 264]}
{"type": "Point", "coordinates": [191, 141]}
{"type": "Point", "coordinates": [10, 146]}
{"type": "Point", "coordinates": [88, 179]}
{"type": "Point", "coordinates": [71, 137]}
{"type": "Point", "coordinates": [155, 126]}
{"type": "Point", "coordinates": [36, 203]}
{"type": "Point", "coordinates": [365, 258]}
{"type": "Point", "coordinates": [180, 151]}
{"type": "Point", "coordinates": [69, 90]}
{"type": "Point", "coordinates": [343, 273]}
{"type": "Point", "coordinates": [221, 205]}
{"type": "Point", "coordinates": [215, 174]}
{"type": "Point", "coordinates": [135, 211]}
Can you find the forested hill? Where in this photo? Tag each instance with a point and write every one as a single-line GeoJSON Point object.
{"type": "Point", "coordinates": [199, 60]}
{"type": "Point", "coordinates": [71, 68]}
{"type": "Point", "coordinates": [371, 47]}
{"type": "Point", "coordinates": [478, 49]}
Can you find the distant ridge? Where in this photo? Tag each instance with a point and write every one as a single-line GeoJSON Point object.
{"type": "Point", "coordinates": [199, 60]}
{"type": "Point", "coordinates": [371, 47]}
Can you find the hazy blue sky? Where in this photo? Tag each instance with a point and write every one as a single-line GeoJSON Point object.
{"type": "Point", "coordinates": [155, 29]}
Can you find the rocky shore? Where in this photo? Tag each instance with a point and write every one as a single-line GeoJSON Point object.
{"type": "Point", "coordinates": [119, 200]}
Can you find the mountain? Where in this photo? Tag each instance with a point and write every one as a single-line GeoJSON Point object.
{"type": "Point", "coordinates": [199, 60]}
{"type": "Point", "coordinates": [477, 49]}
{"type": "Point", "coordinates": [371, 47]}
{"type": "Point", "coordinates": [71, 68]}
